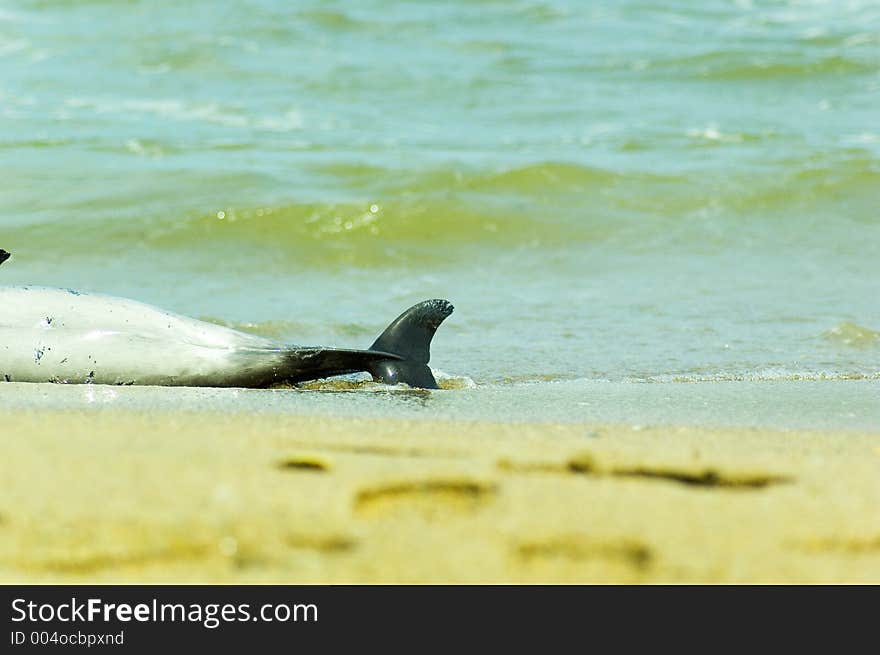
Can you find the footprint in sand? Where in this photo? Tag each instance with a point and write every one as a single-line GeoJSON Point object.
{"type": "Point", "coordinates": [427, 498]}
{"type": "Point", "coordinates": [709, 477]}
{"type": "Point", "coordinates": [577, 548]}
{"type": "Point", "coordinates": [867, 545]}
{"type": "Point", "coordinates": [328, 543]}
{"type": "Point", "coordinates": [306, 463]}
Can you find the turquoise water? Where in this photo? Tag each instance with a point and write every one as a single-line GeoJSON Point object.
{"type": "Point", "coordinates": [615, 191]}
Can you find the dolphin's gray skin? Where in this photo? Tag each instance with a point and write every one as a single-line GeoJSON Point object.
{"type": "Point", "coordinates": [60, 335]}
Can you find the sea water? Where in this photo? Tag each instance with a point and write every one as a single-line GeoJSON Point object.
{"type": "Point", "coordinates": [682, 197]}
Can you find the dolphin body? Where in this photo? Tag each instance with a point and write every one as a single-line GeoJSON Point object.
{"type": "Point", "coordinates": [63, 336]}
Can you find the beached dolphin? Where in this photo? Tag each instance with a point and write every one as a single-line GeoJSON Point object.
{"type": "Point", "coordinates": [61, 335]}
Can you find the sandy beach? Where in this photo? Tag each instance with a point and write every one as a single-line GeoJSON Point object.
{"type": "Point", "coordinates": [186, 497]}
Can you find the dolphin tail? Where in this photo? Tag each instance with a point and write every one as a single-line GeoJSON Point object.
{"type": "Point", "coordinates": [400, 354]}
{"type": "Point", "coordinates": [409, 339]}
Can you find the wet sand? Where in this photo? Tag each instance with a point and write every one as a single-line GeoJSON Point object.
{"type": "Point", "coordinates": [128, 496]}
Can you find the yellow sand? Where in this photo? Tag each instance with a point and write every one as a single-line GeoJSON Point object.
{"type": "Point", "coordinates": [127, 497]}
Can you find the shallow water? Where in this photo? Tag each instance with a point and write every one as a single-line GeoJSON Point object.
{"type": "Point", "coordinates": [787, 405]}
{"type": "Point", "coordinates": [611, 191]}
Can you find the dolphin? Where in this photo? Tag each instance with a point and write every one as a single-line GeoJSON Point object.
{"type": "Point", "coordinates": [64, 336]}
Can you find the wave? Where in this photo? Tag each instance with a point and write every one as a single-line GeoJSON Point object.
{"type": "Point", "coordinates": [363, 382]}
{"type": "Point", "coordinates": [739, 66]}
{"type": "Point", "coordinates": [853, 335]}
{"type": "Point", "coordinates": [176, 110]}
{"type": "Point", "coordinates": [442, 215]}
{"type": "Point", "coordinates": [728, 66]}
{"type": "Point", "coordinates": [762, 375]}
{"type": "Point", "coordinates": [334, 20]}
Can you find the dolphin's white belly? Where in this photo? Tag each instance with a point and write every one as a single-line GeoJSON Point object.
{"type": "Point", "coordinates": [64, 336]}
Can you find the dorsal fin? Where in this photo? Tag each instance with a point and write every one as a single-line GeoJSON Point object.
{"type": "Point", "coordinates": [4, 256]}
{"type": "Point", "coordinates": [409, 338]}
{"type": "Point", "coordinates": [410, 334]}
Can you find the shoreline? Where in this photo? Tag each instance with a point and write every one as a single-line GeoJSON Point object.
{"type": "Point", "coordinates": [834, 405]}
{"type": "Point", "coordinates": [207, 497]}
